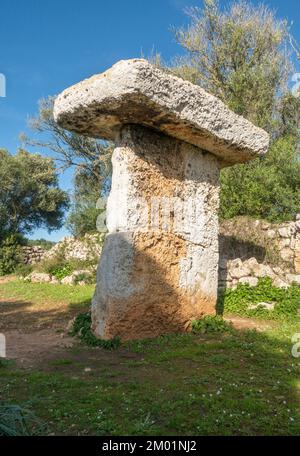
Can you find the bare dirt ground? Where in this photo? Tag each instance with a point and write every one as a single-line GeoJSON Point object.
{"type": "Point", "coordinates": [249, 323]}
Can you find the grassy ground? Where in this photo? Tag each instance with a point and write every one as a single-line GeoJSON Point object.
{"type": "Point", "coordinates": [240, 382]}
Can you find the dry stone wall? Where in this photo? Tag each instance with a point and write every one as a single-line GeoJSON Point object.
{"type": "Point", "coordinates": [33, 254]}
{"type": "Point", "coordinates": [274, 252]}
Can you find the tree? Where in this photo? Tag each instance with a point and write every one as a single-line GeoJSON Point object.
{"type": "Point", "coordinates": [239, 54]}
{"type": "Point", "coordinates": [29, 194]}
{"type": "Point", "coordinates": [90, 159]}
{"type": "Point", "coordinates": [266, 188]}
{"type": "Point", "coordinates": [84, 213]}
{"type": "Point", "coordinates": [242, 55]}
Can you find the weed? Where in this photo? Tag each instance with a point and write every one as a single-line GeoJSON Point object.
{"type": "Point", "coordinates": [82, 329]}
{"type": "Point", "coordinates": [211, 324]}
{"type": "Point", "coordinates": [286, 300]}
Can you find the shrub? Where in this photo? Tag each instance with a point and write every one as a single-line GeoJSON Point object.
{"type": "Point", "coordinates": [88, 278]}
{"type": "Point", "coordinates": [287, 300]}
{"type": "Point", "coordinates": [61, 271]}
{"type": "Point", "coordinates": [24, 270]}
{"type": "Point", "coordinates": [211, 324]}
{"type": "Point", "coordinates": [10, 254]}
{"type": "Point", "coordinates": [56, 266]}
{"type": "Point", "coordinates": [82, 329]}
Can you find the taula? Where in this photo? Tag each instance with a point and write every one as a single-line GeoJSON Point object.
{"type": "Point", "coordinates": [159, 264]}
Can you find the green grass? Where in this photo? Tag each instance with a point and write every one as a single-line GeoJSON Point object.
{"type": "Point", "coordinates": [37, 292]}
{"type": "Point", "coordinates": [242, 383]}
{"type": "Point", "coordinates": [213, 382]}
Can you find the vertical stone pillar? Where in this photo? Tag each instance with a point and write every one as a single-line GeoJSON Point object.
{"type": "Point", "coordinates": [159, 265]}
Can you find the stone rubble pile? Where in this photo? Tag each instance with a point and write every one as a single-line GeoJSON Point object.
{"type": "Point", "coordinates": [80, 277]}
{"type": "Point", "coordinates": [86, 249]}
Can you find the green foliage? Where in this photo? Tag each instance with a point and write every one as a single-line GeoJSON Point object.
{"type": "Point", "coordinates": [88, 278]}
{"type": "Point", "coordinates": [242, 54]}
{"type": "Point", "coordinates": [60, 268]}
{"type": "Point", "coordinates": [61, 271]}
{"type": "Point", "coordinates": [23, 270]}
{"type": "Point", "coordinates": [10, 254]}
{"type": "Point", "coordinates": [56, 266]}
{"type": "Point", "coordinates": [44, 243]}
{"type": "Point", "coordinates": [29, 194]}
{"type": "Point", "coordinates": [84, 211]}
{"type": "Point", "coordinates": [17, 421]}
{"type": "Point", "coordinates": [211, 324]}
{"type": "Point", "coordinates": [90, 157]}
{"type": "Point", "coordinates": [237, 301]}
{"type": "Point", "coordinates": [82, 329]}
{"type": "Point", "coordinates": [267, 188]}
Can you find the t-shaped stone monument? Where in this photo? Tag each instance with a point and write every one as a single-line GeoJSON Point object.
{"type": "Point", "coordinates": [159, 265]}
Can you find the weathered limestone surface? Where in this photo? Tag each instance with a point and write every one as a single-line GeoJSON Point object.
{"type": "Point", "coordinates": [159, 264]}
{"type": "Point", "coordinates": [156, 281]}
{"type": "Point", "coordinates": [133, 91]}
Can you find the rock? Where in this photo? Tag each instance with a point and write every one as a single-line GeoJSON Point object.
{"type": "Point", "coordinates": [279, 283]}
{"type": "Point", "coordinates": [287, 254]}
{"type": "Point", "coordinates": [69, 280]}
{"type": "Point", "coordinates": [72, 279]}
{"type": "Point", "coordinates": [238, 273]}
{"type": "Point", "coordinates": [287, 231]}
{"type": "Point", "coordinates": [266, 305]}
{"type": "Point", "coordinates": [40, 277]}
{"type": "Point", "coordinates": [86, 249]}
{"type": "Point", "coordinates": [55, 281]}
{"type": "Point", "coordinates": [278, 271]}
{"type": "Point", "coordinates": [293, 278]}
{"type": "Point", "coordinates": [262, 270]}
{"type": "Point", "coordinates": [285, 242]}
{"type": "Point", "coordinates": [70, 325]}
{"type": "Point", "coordinates": [251, 263]}
{"type": "Point", "coordinates": [238, 269]}
{"type": "Point", "coordinates": [271, 234]}
{"type": "Point", "coordinates": [252, 281]}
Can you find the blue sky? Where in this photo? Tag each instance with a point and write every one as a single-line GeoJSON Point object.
{"type": "Point", "coordinates": [45, 46]}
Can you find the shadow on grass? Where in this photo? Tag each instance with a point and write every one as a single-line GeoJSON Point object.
{"type": "Point", "coordinates": [236, 383]}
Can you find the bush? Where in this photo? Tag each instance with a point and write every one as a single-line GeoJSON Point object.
{"type": "Point", "coordinates": [287, 300]}
{"type": "Point", "coordinates": [88, 278]}
{"type": "Point", "coordinates": [61, 271]}
{"type": "Point", "coordinates": [211, 324]}
{"type": "Point", "coordinates": [82, 329]}
{"type": "Point", "coordinates": [10, 254]}
{"type": "Point", "coordinates": [24, 270]}
{"type": "Point", "coordinates": [56, 266]}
